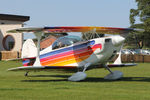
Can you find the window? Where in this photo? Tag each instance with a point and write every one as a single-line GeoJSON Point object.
{"type": "Point", "coordinates": [8, 42]}
{"type": "Point", "coordinates": [65, 41]}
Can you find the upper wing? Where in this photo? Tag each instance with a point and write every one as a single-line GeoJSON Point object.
{"type": "Point", "coordinates": [104, 30]}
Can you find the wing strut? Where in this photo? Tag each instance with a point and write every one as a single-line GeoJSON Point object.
{"type": "Point", "coordinates": [38, 36]}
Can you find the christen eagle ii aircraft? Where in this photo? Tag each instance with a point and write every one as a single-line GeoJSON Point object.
{"type": "Point", "coordinates": [69, 52]}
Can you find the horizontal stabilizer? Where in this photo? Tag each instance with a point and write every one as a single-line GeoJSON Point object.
{"type": "Point", "coordinates": [36, 68]}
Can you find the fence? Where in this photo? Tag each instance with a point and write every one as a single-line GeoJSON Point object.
{"type": "Point", "coordinates": [134, 58]}
{"type": "Point", "coordinates": [9, 55]}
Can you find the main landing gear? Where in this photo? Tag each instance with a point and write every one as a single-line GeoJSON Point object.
{"type": "Point", "coordinates": [79, 75]}
{"type": "Point", "coordinates": [115, 75]}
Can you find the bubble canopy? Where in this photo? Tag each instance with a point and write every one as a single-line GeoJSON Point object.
{"type": "Point", "coordinates": [65, 41]}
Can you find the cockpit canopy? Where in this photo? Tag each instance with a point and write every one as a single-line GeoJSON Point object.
{"type": "Point", "coordinates": [65, 41]}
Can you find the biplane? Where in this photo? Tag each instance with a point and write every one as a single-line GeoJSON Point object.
{"type": "Point", "coordinates": [72, 52]}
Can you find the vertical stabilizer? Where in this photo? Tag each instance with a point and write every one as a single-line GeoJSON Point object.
{"type": "Point", "coordinates": [118, 60]}
{"type": "Point", "coordinates": [29, 49]}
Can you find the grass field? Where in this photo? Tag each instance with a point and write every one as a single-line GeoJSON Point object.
{"type": "Point", "coordinates": [54, 86]}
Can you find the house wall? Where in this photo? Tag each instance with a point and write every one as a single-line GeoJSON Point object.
{"type": "Point", "coordinates": [18, 37]}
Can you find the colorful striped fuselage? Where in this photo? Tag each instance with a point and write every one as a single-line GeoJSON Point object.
{"type": "Point", "coordinates": [67, 56]}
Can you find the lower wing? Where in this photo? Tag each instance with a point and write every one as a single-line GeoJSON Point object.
{"type": "Point", "coordinates": [38, 68]}
{"type": "Point", "coordinates": [64, 68]}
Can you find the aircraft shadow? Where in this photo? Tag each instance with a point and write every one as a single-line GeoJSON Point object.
{"type": "Point", "coordinates": [55, 80]}
{"type": "Point", "coordinates": [88, 79]}
{"type": "Point", "coordinates": [62, 76]}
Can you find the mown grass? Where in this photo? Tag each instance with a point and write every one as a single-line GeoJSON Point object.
{"type": "Point", "coordinates": [54, 86]}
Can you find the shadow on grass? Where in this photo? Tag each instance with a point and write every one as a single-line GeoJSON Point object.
{"type": "Point", "coordinates": [88, 79]}
{"type": "Point", "coordinates": [62, 76]}
{"type": "Point", "coordinates": [57, 80]}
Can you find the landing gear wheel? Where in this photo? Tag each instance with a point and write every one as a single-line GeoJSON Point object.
{"type": "Point", "coordinates": [77, 76]}
{"type": "Point", "coordinates": [114, 75]}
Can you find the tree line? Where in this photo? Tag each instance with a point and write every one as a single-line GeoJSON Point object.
{"type": "Point", "coordinates": [141, 13]}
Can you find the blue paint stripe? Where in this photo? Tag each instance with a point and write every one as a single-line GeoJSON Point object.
{"type": "Point", "coordinates": [26, 61]}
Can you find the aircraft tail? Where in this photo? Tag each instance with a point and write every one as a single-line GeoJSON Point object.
{"type": "Point", "coordinates": [29, 49]}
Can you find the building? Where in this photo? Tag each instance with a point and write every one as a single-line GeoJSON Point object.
{"type": "Point", "coordinates": [47, 42]}
{"type": "Point", "coordinates": [8, 41]}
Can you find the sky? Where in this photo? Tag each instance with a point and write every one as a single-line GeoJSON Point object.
{"type": "Point", "coordinates": [110, 13]}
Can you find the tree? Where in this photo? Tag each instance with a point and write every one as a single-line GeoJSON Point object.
{"type": "Point", "coordinates": [143, 13]}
